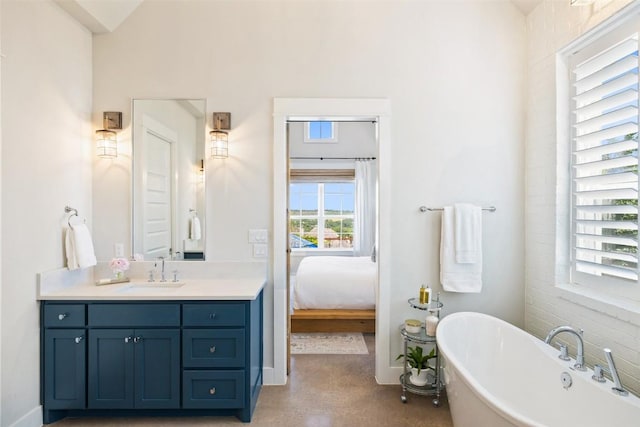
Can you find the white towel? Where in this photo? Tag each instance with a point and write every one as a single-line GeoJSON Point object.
{"type": "Point", "coordinates": [79, 247]}
{"type": "Point", "coordinates": [456, 277]}
{"type": "Point", "coordinates": [70, 249]}
{"type": "Point", "coordinates": [195, 232]}
{"type": "Point", "coordinates": [468, 233]}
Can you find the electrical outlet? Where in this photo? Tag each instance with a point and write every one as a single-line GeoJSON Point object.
{"type": "Point", "coordinates": [258, 236]}
{"type": "Point", "coordinates": [259, 250]}
{"type": "Point", "coordinates": [118, 250]}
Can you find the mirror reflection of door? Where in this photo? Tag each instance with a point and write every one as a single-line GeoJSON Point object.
{"type": "Point", "coordinates": [168, 179]}
{"type": "Point", "coordinates": [155, 187]}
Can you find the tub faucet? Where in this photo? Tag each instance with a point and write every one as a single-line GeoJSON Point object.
{"type": "Point", "coordinates": [617, 388]}
{"type": "Point", "coordinates": [579, 365]}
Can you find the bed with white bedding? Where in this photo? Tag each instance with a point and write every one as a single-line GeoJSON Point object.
{"type": "Point", "coordinates": [339, 282]}
{"type": "Point", "coordinates": [336, 293]}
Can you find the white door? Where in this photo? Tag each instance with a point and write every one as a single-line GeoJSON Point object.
{"type": "Point", "coordinates": [154, 188]}
{"type": "Point", "coordinates": [157, 197]}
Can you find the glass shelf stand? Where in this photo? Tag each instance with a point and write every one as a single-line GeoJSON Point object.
{"type": "Point", "coordinates": [433, 387]}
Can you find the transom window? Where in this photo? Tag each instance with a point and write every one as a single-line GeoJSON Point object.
{"type": "Point", "coordinates": [604, 200]}
{"type": "Point", "coordinates": [320, 131]}
{"type": "Point", "coordinates": [321, 215]}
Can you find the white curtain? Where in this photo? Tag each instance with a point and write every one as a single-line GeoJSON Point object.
{"type": "Point", "coordinates": [364, 227]}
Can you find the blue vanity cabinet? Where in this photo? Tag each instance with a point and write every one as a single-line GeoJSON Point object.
{"type": "Point", "coordinates": [222, 356]}
{"type": "Point", "coordinates": [151, 358]}
{"type": "Point", "coordinates": [65, 375]}
{"type": "Point", "coordinates": [64, 363]}
{"type": "Point", "coordinates": [134, 367]}
{"type": "Point", "coordinates": [111, 369]}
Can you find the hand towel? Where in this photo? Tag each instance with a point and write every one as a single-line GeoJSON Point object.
{"type": "Point", "coordinates": [195, 232]}
{"type": "Point", "coordinates": [70, 249]}
{"type": "Point", "coordinates": [81, 241]}
{"type": "Point", "coordinates": [456, 277]}
{"type": "Point", "coordinates": [468, 233]}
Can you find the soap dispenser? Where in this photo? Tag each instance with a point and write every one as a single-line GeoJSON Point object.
{"type": "Point", "coordinates": [424, 295]}
{"type": "Point", "coordinates": [431, 323]}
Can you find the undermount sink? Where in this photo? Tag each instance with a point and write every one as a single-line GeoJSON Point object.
{"type": "Point", "coordinates": [150, 286]}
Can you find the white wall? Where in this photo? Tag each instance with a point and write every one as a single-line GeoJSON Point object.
{"type": "Point", "coordinates": [0, 216]}
{"type": "Point", "coordinates": [354, 139]}
{"type": "Point", "coordinates": [454, 72]}
{"type": "Point", "coordinates": [46, 164]}
{"type": "Point", "coordinates": [551, 26]}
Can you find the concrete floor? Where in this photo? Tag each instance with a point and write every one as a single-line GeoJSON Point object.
{"type": "Point", "coordinates": [322, 391]}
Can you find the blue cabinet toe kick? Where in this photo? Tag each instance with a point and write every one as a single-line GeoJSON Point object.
{"type": "Point", "coordinates": [52, 416]}
{"type": "Point", "coordinates": [151, 358]}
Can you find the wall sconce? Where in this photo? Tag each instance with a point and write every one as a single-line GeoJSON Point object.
{"type": "Point", "coordinates": [201, 170]}
{"type": "Point", "coordinates": [107, 139]}
{"type": "Point", "coordinates": [219, 138]}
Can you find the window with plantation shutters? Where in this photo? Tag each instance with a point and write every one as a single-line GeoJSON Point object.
{"type": "Point", "coordinates": [605, 162]}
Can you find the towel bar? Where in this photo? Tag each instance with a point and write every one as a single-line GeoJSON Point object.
{"type": "Point", "coordinates": [424, 209]}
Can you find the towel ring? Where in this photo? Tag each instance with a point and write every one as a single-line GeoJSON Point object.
{"type": "Point", "coordinates": [74, 211]}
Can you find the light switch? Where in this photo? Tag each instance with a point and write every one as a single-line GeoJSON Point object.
{"type": "Point", "coordinates": [259, 250]}
{"type": "Point", "coordinates": [258, 236]}
{"type": "Point", "coordinates": [118, 250]}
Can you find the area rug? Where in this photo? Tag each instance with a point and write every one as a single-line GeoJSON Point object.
{"type": "Point", "coordinates": [328, 343]}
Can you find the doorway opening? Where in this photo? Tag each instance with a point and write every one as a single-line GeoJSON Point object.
{"type": "Point", "coordinates": [288, 110]}
{"type": "Point", "coordinates": [332, 219]}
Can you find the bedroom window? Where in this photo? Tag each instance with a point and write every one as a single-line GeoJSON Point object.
{"type": "Point", "coordinates": [321, 215]}
{"type": "Point", "coordinates": [604, 185]}
{"type": "Point", "coordinates": [320, 131]}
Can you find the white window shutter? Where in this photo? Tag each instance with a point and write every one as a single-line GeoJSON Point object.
{"type": "Point", "coordinates": [605, 163]}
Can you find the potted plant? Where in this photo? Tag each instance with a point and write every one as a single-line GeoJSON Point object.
{"type": "Point", "coordinates": [419, 363]}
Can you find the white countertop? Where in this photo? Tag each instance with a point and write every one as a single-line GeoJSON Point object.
{"type": "Point", "coordinates": [217, 289]}
{"type": "Point", "coordinates": [65, 285]}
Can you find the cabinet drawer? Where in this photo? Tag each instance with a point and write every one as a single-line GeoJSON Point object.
{"type": "Point", "coordinates": [213, 389]}
{"type": "Point", "coordinates": [218, 314]}
{"type": "Point", "coordinates": [213, 348]}
{"type": "Point", "coordinates": [134, 315]}
{"type": "Point", "coordinates": [63, 315]}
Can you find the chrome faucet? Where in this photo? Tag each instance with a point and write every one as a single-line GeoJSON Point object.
{"type": "Point", "coordinates": [579, 365]}
{"type": "Point", "coordinates": [617, 388]}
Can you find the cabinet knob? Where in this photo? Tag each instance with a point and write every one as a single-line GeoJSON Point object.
{"type": "Point", "coordinates": [212, 349]}
{"type": "Point", "coordinates": [61, 316]}
{"type": "Point", "coordinates": [212, 390]}
{"type": "Point", "coordinates": [127, 339]}
{"type": "Point", "coordinates": [78, 339]}
{"type": "Point", "coordinates": [137, 339]}
{"type": "Point", "coordinates": [212, 316]}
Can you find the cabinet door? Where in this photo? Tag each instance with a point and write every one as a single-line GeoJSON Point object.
{"type": "Point", "coordinates": [64, 369]}
{"type": "Point", "coordinates": [157, 368]}
{"type": "Point", "coordinates": [111, 368]}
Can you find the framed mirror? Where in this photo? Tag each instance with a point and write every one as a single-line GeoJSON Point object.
{"type": "Point", "coordinates": [168, 178]}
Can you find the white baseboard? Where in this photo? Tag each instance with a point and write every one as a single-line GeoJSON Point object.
{"type": "Point", "coordinates": [33, 418]}
{"type": "Point", "coordinates": [268, 377]}
{"type": "Point", "coordinates": [390, 375]}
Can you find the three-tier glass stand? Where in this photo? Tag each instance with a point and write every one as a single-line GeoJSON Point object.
{"type": "Point", "coordinates": [433, 387]}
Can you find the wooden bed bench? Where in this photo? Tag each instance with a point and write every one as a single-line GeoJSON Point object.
{"type": "Point", "coordinates": [333, 321]}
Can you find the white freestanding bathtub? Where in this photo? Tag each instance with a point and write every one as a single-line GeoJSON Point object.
{"type": "Point", "coordinates": [498, 375]}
